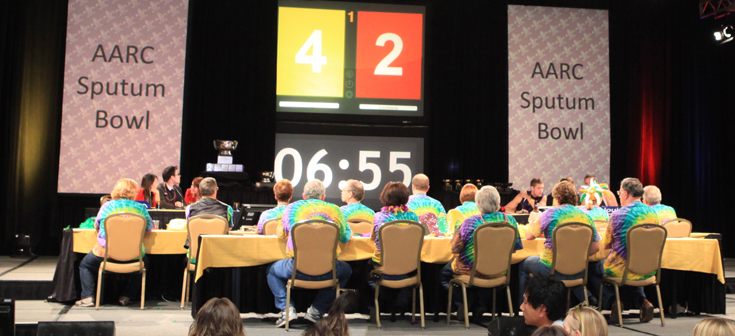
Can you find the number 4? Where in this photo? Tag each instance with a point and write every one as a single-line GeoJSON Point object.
{"type": "Point", "coordinates": [316, 59]}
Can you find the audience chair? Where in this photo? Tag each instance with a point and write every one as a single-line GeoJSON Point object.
{"type": "Point", "coordinates": [494, 243]}
{"type": "Point", "coordinates": [601, 224]}
{"type": "Point", "coordinates": [314, 253]}
{"type": "Point", "coordinates": [196, 226]}
{"type": "Point", "coordinates": [400, 249]}
{"type": "Point", "coordinates": [678, 228]}
{"type": "Point", "coordinates": [572, 243]}
{"type": "Point", "coordinates": [644, 249]}
{"type": "Point", "coordinates": [360, 226]}
{"type": "Point", "coordinates": [124, 233]}
{"type": "Point", "coordinates": [271, 226]}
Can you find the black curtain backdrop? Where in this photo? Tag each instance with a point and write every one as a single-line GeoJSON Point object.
{"type": "Point", "coordinates": [670, 102]}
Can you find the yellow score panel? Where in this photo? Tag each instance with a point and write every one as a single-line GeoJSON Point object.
{"type": "Point", "coordinates": [311, 52]}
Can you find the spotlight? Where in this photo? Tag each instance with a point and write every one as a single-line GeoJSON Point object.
{"type": "Point", "coordinates": [718, 36]}
{"type": "Point", "coordinates": [724, 35]}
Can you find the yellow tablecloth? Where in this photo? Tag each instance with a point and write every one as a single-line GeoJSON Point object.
{"type": "Point", "coordinates": [155, 242]}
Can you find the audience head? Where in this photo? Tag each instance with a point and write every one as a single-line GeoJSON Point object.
{"type": "Point", "coordinates": [544, 300]}
{"type": "Point", "coordinates": [283, 191]}
{"type": "Point", "coordinates": [565, 193]}
{"type": "Point", "coordinates": [468, 193]}
{"type": "Point", "coordinates": [314, 189]}
{"type": "Point", "coordinates": [394, 193]}
{"type": "Point", "coordinates": [217, 317]}
{"type": "Point", "coordinates": [208, 187]}
{"type": "Point", "coordinates": [568, 179]}
{"type": "Point", "coordinates": [125, 189]}
{"type": "Point", "coordinates": [585, 321]}
{"type": "Point", "coordinates": [354, 191]}
{"type": "Point", "coordinates": [589, 178]}
{"type": "Point", "coordinates": [550, 331]}
{"type": "Point", "coordinates": [714, 327]}
{"type": "Point", "coordinates": [420, 183]}
{"type": "Point", "coordinates": [537, 187]}
{"type": "Point", "coordinates": [171, 175]}
{"type": "Point", "coordinates": [630, 191]}
{"type": "Point", "coordinates": [335, 324]}
{"type": "Point", "coordinates": [488, 200]}
{"type": "Point", "coordinates": [651, 195]}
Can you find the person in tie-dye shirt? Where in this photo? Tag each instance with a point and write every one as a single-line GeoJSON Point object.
{"type": "Point", "coordinates": [430, 211]}
{"type": "Point", "coordinates": [652, 198]}
{"type": "Point", "coordinates": [565, 194]}
{"type": "Point", "coordinates": [458, 215]}
{"type": "Point", "coordinates": [633, 212]}
{"type": "Point", "coordinates": [352, 194]}
{"type": "Point", "coordinates": [463, 243]}
{"type": "Point", "coordinates": [283, 191]}
{"type": "Point", "coordinates": [312, 206]}
{"type": "Point", "coordinates": [122, 202]}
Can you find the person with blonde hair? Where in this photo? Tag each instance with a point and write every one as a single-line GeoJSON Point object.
{"type": "Point", "coordinates": [585, 321]}
{"type": "Point", "coordinates": [715, 327]}
{"type": "Point", "coordinates": [123, 194]}
{"type": "Point", "coordinates": [458, 215]}
{"type": "Point", "coordinates": [218, 317]}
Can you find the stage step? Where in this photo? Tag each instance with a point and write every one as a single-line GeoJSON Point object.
{"type": "Point", "coordinates": [27, 278]}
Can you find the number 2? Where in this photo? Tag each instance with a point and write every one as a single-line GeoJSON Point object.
{"type": "Point", "coordinates": [316, 59]}
{"type": "Point", "coordinates": [384, 67]}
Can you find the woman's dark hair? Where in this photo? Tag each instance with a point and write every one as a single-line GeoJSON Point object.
{"type": "Point", "coordinates": [394, 193]}
{"type": "Point", "coordinates": [146, 182]}
{"type": "Point", "coordinates": [218, 317]}
{"type": "Point", "coordinates": [335, 324]}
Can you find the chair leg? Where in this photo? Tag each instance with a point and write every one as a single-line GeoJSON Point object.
{"type": "Point", "coordinates": [288, 304]}
{"type": "Point", "coordinates": [99, 288]}
{"type": "Point", "coordinates": [661, 306]}
{"type": "Point", "coordinates": [142, 290]}
{"type": "Point", "coordinates": [377, 306]}
{"type": "Point", "coordinates": [599, 299]}
{"type": "Point", "coordinates": [510, 302]}
{"type": "Point", "coordinates": [477, 317]}
{"type": "Point", "coordinates": [586, 300]}
{"type": "Point", "coordinates": [421, 298]}
{"type": "Point", "coordinates": [466, 313]}
{"type": "Point", "coordinates": [413, 305]}
{"type": "Point", "coordinates": [184, 287]}
{"type": "Point", "coordinates": [620, 308]}
{"type": "Point", "coordinates": [449, 302]}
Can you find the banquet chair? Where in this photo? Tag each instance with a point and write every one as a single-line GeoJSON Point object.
{"type": "Point", "coordinates": [360, 226]}
{"type": "Point", "coordinates": [678, 228]}
{"type": "Point", "coordinates": [271, 226]}
{"type": "Point", "coordinates": [124, 234]}
{"type": "Point", "coordinates": [196, 226]}
{"type": "Point", "coordinates": [400, 249]}
{"type": "Point", "coordinates": [572, 242]}
{"type": "Point", "coordinates": [494, 244]}
{"type": "Point", "coordinates": [314, 253]}
{"type": "Point", "coordinates": [601, 224]}
{"type": "Point", "coordinates": [644, 248]}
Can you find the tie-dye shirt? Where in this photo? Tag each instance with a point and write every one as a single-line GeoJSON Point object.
{"type": "Point", "coordinates": [113, 207]}
{"type": "Point", "coordinates": [387, 214]}
{"type": "Point", "coordinates": [357, 211]}
{"type": "Point", "coordinates": [458, 215]}
{"type": "Point", "coordinates": [664, 212]}
{"type": "Point", "coordinates": [430, 211]}
{"type": "Point", "coordinates": [313, 209]}
{"type": "Point", "coordinates": [550, 219]}
{"type": "Point", "coordinates": [598, 213]}
{"type": "Point", "coordinates": [269, 214]}
{"type": "Point", "coordinates": [621, 220]}
{"type": "Point", "coordinates": [463, 242]}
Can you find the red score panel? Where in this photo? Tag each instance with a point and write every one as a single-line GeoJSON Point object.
{"type": "Point", "coordinates": [389, 51]}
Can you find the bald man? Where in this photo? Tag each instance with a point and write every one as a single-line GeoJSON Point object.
{"type": "Point", "coordinates": [352, 194]}
{"type": "Point", "coordinates": [430, 211]}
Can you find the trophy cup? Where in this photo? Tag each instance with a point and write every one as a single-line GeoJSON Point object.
{"type": "Point", "coordinates": [224, 157]}
{"type": "Point", "coordinates": [266, 180]}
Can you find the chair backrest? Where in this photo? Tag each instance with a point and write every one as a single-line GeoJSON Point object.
{"type": "Point", "coordinates": [572, 243]}
{"type": "Point", "coordinates": [315, 247]}
{"type": "Point", "coordinates": [104, 199]}
{"type": "Point", "coordinates": [645, 246]}
{"type": "Point", "coordinates": [678, 227]}
{"type": "Point", "coordinates": [400, 246]}
{"type": "Point", "coordinates": [494, 243]}
{"type": "Point", "coordinates": [270, 226]}
{"type": "Point", "coordinates": [359, 225]}
{"type": "Point", "coordinates": [124, 236]}
{"type": "Point", "coordinates": [601, 224]}
{"type": "Point", "coordinates": [204, 225]}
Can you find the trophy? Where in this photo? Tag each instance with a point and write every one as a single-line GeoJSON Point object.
{"type": "Point", "coordinates": [225, 148]}
{"type": "Point", "coordinates": [267, 176]}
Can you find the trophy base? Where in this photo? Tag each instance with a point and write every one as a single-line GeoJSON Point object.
{"type": "Point", "coordinates": [224, 159]}
{"type": "Point", "coordinates": [217, 167]}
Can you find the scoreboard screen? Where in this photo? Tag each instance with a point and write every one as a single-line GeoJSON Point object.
{"type": "Point", "coordinates": [350, 58]}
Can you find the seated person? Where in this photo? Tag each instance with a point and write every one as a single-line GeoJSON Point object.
{"type": "Point", "coordinates": [209, 205]}
{"type": "Point", "coordinates": [352, 194]}
{"type": "Point", "coordinates": [218, 316]}
{"type": "Point", "coordinates": [463, 248]}
{"type": "Point", "coordinates": [149, 191]}
{"type": "Point", "coordinates": [652, 198]}
{"type": "Point", "coordinates": [122, 201]}
{"type": "Point", "coordinates": [525, 201]}
{"type": "Point", "coordinates": [192, 194]}
{"type": "Point", "coordinates": [567, 212]}
{"type": "Point", "coordinates": [430, 211]}
{"type": "Point", "coordinates": [312, 206]}
{"type": "Point", "coordinates": [608, 198]}
{"type": "Point", "coordinates": [592, 197]}
{"type": "Point", "coordinates": [633, 212]}
{"type": "Point", "coordinates": [171, 195]}
{"type": "Point", "coordinates": [282, 191]}
{"type": "Point", "coordinates": [457, 216]}
{"type": "Point", "coordinates": [544, 301]}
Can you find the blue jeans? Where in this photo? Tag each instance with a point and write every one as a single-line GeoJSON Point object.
{"type": "Point", "coordinates": [484, 294]}
{"type": "Point", "coordinates": [636, 294]}
{"type": "Point", "coordinates": [88, 269]}
{"type": "Point", "coordinates": [280, 272]}
{"type": "Point", "coordinates": [533, 265]}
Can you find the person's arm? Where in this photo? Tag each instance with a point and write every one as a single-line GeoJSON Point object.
{"type": "Point", "coordinates": [511, 207]}
{"type": "Point", "coordinates": [594, 248]}
{"type": "Point", "coordinates": [179, 201]}
{"type": "Point", "coordinates": [607, 239]}
{"type": "Point", "coordinates": [344, 228]}
{"type": "Point", "coordinates": [230, 220]}
{"type": "Point", "coordinates": [535, 228]}
{"type": "Point", "coordinates": [457, 244]}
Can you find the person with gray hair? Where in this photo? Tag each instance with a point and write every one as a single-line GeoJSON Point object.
{"type": "Point", "coordinates": [312, 206]}
{"type": "Point", "coordinates": [652, 198]}
{"type": "Point", "coordinates": [209, 205]}
{"type": "Point", "coordinates": [352, 194]}
{"type": "Point", "coordinates": [463, 248]}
